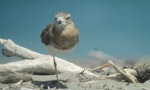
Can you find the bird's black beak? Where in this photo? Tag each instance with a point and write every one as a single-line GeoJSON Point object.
{"type": "Point", "coordinates": [59, 22]}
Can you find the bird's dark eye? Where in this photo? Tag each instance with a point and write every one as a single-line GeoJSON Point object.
{"type": "Point", "coordinates": [67, 18]}
{"type": "Point", "coordinates": [55, 18]}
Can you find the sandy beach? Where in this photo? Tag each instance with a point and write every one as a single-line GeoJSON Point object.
{"type": "Point", "coordinates": [69, 81]}
{"type": "Point", "coordinates": [45, 81]}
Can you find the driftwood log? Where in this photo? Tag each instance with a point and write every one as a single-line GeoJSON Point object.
{"type": "Point", "coordinates": [139, 74]}
{"type": "Point", "coordinates": [34, 62]}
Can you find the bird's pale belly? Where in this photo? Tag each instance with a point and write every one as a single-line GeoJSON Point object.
{"type": "Point", "coordinates": [54, 51]}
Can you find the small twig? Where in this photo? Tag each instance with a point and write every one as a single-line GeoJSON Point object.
{"type": "Point", "coordinates": [100, 67]}
{"type": "Point", "coordinates": [82, 71]}
{"type": "Point", "coordinates": [82, 77]}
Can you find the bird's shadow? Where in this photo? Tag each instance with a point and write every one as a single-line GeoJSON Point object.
{"type": "Point", "coordinates": [51, 84]}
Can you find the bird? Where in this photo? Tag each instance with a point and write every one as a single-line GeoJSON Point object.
{"type": "Point", "coordinates": [60, 36]}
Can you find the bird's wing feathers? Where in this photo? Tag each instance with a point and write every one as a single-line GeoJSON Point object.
{"type": "Point", "coordinates": [46, 34]}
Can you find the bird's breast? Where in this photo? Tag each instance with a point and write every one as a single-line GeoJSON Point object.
{"type": "Point", "coordinates": [67, 39]}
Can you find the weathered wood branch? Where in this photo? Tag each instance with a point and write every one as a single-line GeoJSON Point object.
{"type": "Point", "coordinates": [124, 74]}
{"type": "Point", "coordinates": [9, 49]}
{"type": "Point", "coordinates": [34, 62]}
{"type": "Point", "coordinates": [100, 67]}
{"type": "Point", "coordinates": [43, 65]}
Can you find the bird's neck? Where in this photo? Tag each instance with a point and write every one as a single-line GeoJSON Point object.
{"type": "Point", "coordinates": [61, 27]}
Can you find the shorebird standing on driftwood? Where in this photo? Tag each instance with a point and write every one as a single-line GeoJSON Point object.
{"type": "Point", "coordinates": [60, 36]}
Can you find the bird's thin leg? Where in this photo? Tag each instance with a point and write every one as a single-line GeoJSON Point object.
{"type": "Point", "coordinates": [55, 66]}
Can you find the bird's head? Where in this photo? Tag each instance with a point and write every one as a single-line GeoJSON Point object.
{"type": "Point", "coordinates": [63, 18]}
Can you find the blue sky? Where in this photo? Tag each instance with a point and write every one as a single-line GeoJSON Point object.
{"type": "Point", "coordinates": [120, 28]}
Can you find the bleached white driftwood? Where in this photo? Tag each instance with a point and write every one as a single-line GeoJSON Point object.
{"type": "Point", "coordinates": [43, 65]}
{"type": "Point", "coordinates": [127, 74]}
{"type": "Point", "coordinates": [10, 49]}
{"type": "Point", "coordinates": [35, 62]}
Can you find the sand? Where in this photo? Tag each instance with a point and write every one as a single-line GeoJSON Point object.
{"type": "Point", "coordinates": [71, 82]}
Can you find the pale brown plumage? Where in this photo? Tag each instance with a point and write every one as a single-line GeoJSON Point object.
{"type": "Point", "coordinates": [60, 36]}
{"type": "Point", "coordinates": [66, 39]}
